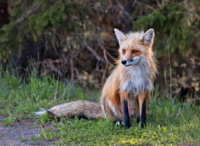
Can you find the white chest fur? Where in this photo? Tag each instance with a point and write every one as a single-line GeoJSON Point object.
{"type": "Point", "coordinates": [136, 79]}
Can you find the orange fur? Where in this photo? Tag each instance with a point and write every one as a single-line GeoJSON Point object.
{"type": "Point", "coordinates": [111, 90]}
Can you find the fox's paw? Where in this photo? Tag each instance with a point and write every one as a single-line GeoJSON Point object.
{"type": "Point", "coordinates": [119, 123]}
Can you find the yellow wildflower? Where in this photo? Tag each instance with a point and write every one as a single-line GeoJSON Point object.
{"type": "Point", "coordinates": [123, 141]}
{"type": "Point", "coordinates": [164, 129]}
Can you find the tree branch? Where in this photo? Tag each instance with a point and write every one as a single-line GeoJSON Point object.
{"type": "Point", "coordinates": [95, 54]}
{"type": "Point", "coordinates": [30, 12]}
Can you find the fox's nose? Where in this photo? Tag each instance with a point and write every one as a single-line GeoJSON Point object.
{"type": "Point", "coordinates": [123, 62]}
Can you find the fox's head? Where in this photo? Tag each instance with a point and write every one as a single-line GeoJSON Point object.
{"type": "Point", "coordinates": [133, 47]}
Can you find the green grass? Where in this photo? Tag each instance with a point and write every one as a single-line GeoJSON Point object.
{"type": "Point", "coordinates": [169, 121]}
{"type": "Point", "coordinates": [20, 100]}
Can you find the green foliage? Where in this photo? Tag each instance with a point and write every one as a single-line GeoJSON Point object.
{"type": "Point", "coordinates": [175, 27]}
{"type": "Point", "coordinates": [59, 13]}
{"type": "Point", "coordinates": [23, 139]}
{"type": "Point", "coordinates": [38, 20]}
{"type": "Point", "coordinates": [8, 121]}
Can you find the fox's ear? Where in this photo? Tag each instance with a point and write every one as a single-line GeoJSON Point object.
{"type": "Point", "coordinates": [148, 37]}
{"type": "Point", "coordinates": [120, 36]}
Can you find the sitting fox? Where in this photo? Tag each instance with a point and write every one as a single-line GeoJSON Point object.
{"type": "Point", "coordinates": [126, 92]}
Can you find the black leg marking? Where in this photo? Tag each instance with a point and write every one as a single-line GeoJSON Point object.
{"type": "Point", "coordinates": [138, 120]}
{"type": "Point", "coordinates": [126, 115]}
{"type": "Point", "coordinates": [143, 115]}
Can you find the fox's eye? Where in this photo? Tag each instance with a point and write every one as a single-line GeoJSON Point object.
{"type": "Point", "coordinates": [134, 51]}
{"type": "Point", "coordinates": [123, 51]}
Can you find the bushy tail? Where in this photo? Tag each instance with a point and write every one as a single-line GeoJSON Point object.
{"type": "Point", "coordinates": [79, 108]}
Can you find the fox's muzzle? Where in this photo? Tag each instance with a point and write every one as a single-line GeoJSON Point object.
{"type": "Point", "coordinates": [129, 62]}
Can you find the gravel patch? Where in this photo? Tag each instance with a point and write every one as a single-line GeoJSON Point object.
{"type": "Point", "coordinates": [21, 134]}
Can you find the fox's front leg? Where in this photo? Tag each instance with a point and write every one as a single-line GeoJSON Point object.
{"type": "Point", "coordinates": [124, 97]}
{"type": "Point", "coordinates": [142, 108]}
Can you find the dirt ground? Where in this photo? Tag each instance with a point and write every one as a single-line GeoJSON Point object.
{"type": "Point", "coordinates": [21, 133]}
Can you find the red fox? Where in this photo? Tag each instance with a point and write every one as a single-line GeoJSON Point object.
{"type": "Point", "coordinates": [126, 92]}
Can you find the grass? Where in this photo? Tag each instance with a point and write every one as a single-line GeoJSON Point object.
{"type": "Point", "coordinates": [169, 121]}
{"type": "Point", "coordinates": [22, 99]}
